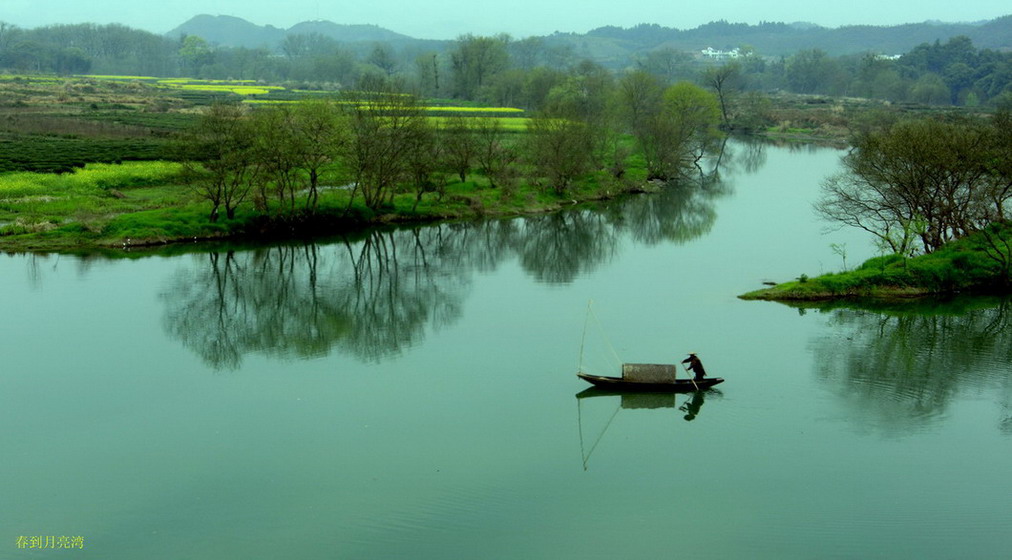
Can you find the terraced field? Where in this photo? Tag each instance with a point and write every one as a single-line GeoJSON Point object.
{"type": "Point", "coordinates": [53, 124]}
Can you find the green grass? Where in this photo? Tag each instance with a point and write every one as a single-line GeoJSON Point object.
{"type": "Point", "coordinates": [965, 265]}
{"type": "Point", "coordinates": [86, 200]}
{"type": "Point", "coordinates": [163, 224]}
{"type": "Point", "coordinates": [90, 178]}
{"type": "Point", "coordinates": [143, 203]}
{"type": "Point", "coordinates": [84, 193]}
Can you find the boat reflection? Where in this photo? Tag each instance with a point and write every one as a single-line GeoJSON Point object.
{"type": "Point", "coordinates": [691, 403]}
{"type": "Point", "coordinates": [632, 400]}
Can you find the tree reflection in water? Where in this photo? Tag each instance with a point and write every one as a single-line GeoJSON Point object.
{"type": "Point", "coordinates": [378, 293]}
{"type": "Point", "coordinates": [369, 298]}
{"type": "Point", "coordinates": [902, 364]}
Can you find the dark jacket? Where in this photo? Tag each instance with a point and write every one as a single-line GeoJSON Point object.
{"type": "Point", "coordinates": [695, 366]}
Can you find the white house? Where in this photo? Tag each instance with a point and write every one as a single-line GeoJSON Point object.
{"type": "Point", "coordinates": [710, 52]}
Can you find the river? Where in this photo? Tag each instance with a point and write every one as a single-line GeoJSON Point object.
{"type": "Point", "coordinates": [410, 393]}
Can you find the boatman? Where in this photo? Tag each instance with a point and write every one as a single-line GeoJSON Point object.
{"type": "Point", "coordinates": [695, 365]}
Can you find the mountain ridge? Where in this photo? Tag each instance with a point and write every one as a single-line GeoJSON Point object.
{"type": "Point", "coordinates": [767, 38]}
{"type": "Point", "coordinates": [231, 31]}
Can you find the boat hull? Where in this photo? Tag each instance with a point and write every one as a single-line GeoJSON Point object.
{"type": "Point", "coordinates": [676, 386]}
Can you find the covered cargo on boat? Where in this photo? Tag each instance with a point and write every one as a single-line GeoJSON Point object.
{"type": "Point", "coordinates": [649, 373]}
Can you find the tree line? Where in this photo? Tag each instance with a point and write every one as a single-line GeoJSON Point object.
{"type": "Point", "coordinates": [950, 73]}
{"type": "Point", "coordinates": [378, 290]}
{"type": "Point", "coordinates": [381, 144]}
{"type": "Point", "coordinates": [918, 184]}
{"type": "Point", "coordinates": [502, 70]}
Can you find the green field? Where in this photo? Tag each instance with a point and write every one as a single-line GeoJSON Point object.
{"type": "Point", "coordinates": [145, 203]}
{"type": "Point", "coordinates": [87, 162]}
{"type": "Point", "coordinates": [51, 124]}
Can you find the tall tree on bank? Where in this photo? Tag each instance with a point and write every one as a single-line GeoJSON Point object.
{"type": "Point", "coordinates": [640, 95]}
{"type": "Point", "coordinates": [496, 151]}
{"type": "Point", "coordinates": [222, 163]}
{"type": "Point", "coordinates": [296, 145]}
{"type": "Point", "coordinates": [459, 146]}
{"type": "Point", "coordinates": [925, 180]}
{"type": "Point", "coordinates": [385, 129]}
{"type": "Point", "coordinates": [726, 82]}
{"type": "Point", "coordinates": [559, 148]}
{"type": "Point", "coordinates": [274, 143]}
{"type": "Point", "coordinates": [323, 135]}
{"type": "Point", "coordinates": [674, 135]}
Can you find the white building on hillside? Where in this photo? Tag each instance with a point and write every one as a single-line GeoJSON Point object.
{"type": "Point", "coordinates": [711, 53]}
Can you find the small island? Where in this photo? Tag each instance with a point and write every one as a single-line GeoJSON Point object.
{"type": "Point", "coordinates": [977, 264]}
{"type": "Point", "coordinates": [935, 194]}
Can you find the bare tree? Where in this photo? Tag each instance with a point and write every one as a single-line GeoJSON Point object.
{"type": "Point", "coordinates": [460, 146]}
{"type": "Point", "coordinates": [855, 203]}
{"type": "Point", "coordinates": [640, 95]}
{"type": "Point", "coordinates": [921, 179]}
{"type": "Point", "coordinates": [383, 127]}
{"type": "Point", "coordinates": [221, 162]}
{"type": "Point", "coordinates": [559, 149]}
{"type": "Point", "coordinates": [322, 137]}
{"type": "Point", "coordinates": [475, 59]}
{"type": "Point", "coordinates": [725, 81]}
{"type": "Point", "coordinates": [496, 151]}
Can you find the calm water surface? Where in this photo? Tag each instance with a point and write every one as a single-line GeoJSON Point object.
{"type": "Point", "coordinates": [411, 394]}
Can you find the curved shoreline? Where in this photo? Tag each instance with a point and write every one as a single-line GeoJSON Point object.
{"type": "Point", "coordinates": [792, 294]}
{"type": "Point", "coordinates": [325, 223]}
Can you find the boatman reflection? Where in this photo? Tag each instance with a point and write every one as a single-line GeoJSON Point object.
{"type": "Point", "coordinates": [692, 406]}
{"type": "Point", "coordinates": [695, 365]}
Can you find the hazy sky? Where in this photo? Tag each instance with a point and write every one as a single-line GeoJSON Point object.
{"type": "Point", "coordinates": [445, 19]}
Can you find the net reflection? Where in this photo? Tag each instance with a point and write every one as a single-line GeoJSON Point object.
{"type": "Point", "coordinates": [591, 435]}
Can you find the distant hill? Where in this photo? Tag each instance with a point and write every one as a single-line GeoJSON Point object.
{"type": "Point", "coordinates": [348, 33]}
{"type": "Point", "coordinates": [615, 46]}
{"type": "Point", "coordinates": [774, 39]}
{"type": "Point", "coordinates": [229, 31]}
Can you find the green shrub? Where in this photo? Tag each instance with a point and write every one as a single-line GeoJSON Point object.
{"type": "Point", "coordinates": [881, 262]}
{"type": "Point", "coordinates": [169, 223]}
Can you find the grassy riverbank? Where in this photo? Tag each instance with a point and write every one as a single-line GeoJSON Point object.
{"type": "Point", "coordinates": [68, 179]}
{"type": "Point", "coordinates": [82, 165]}
{"type": "Point", "coordinates": [145, 203]}
{"type": "Point", "coordinates": [979, 263]}
{"type": "Point", "coordinates": [798, 118]}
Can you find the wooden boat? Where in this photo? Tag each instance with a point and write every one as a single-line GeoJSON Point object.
{"type": "Point", "coordinates": [672, 386]}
